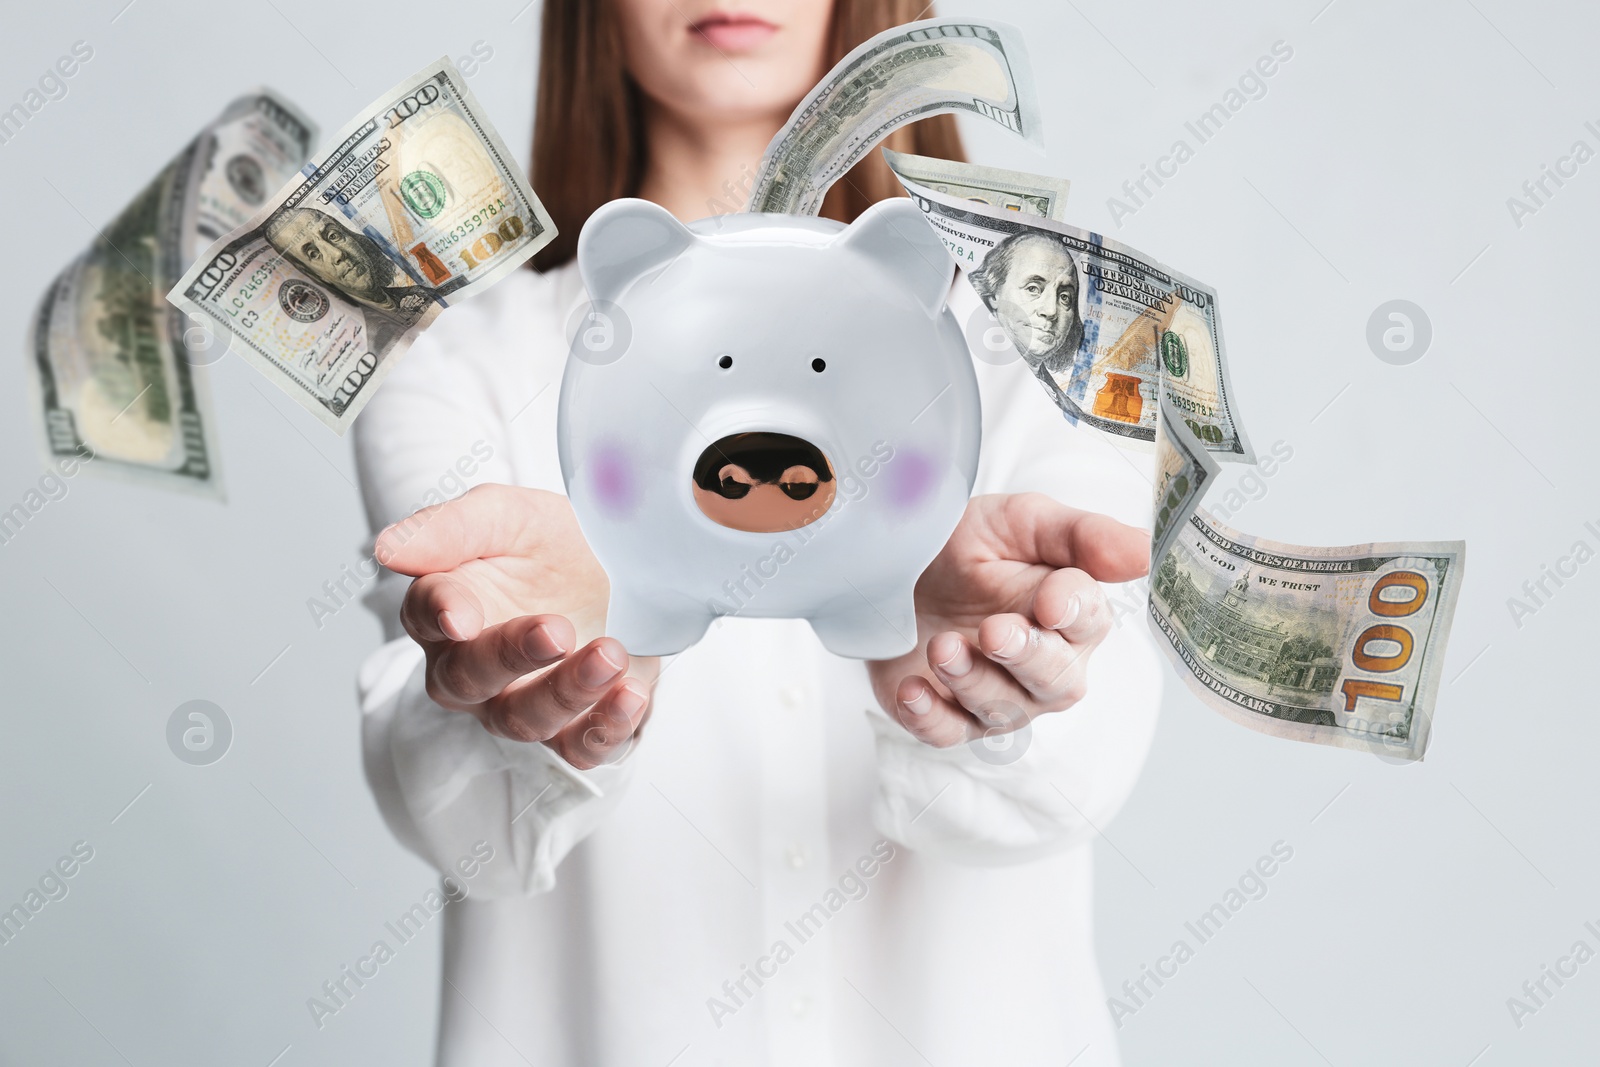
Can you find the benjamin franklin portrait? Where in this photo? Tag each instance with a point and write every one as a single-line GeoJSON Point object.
{"type": "Point", "coordinates": [352, 264]}
{"type": "Point", "coordinates": [1030, 282]}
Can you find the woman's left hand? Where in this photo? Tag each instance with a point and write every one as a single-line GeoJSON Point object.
{"type": "Point", "coordinates": [1007, 615]}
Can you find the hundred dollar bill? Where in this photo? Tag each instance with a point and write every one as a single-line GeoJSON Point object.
{"type": "Point", "coordinates": [1103, 327]}
{"type": "Point", "coordinates": [1338, 646]}
{"type": "Point", "coordinates": [1006, 190]}
{"type": "Point", "coordinates": [417, 205]}
{"type": "Point", "coordinates": [260, 141]}
{"type": "Point", "coordinates": [904, 74]}
{"type": "Point", "coordinates": [1184, 469]}
{"type": "Point", "coordinates": [116, 369]}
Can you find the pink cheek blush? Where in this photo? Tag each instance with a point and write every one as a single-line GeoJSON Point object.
{"type": "Point", "coordinates": [611, 480]}
{"type": "Point", "coordinates": [910, 479]}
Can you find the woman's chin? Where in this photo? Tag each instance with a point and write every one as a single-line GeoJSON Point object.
{"type": "Point", "coordinates": [724, 95]}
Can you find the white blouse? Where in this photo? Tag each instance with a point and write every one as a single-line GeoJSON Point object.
{"type": "Point", "coordinates": [777, 873]}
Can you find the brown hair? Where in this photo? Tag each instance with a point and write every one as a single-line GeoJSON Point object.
{"type": "Point", "coordinates": [588, 132]}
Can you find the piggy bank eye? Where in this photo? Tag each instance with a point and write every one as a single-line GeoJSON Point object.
{"type": "Point", "coordinates": [819, 365]}
{"type": "Point", "coordinates": [725, 362]}
{"type": "Point", "coordinates": [733, 482]}
{"type": "Point", "coordinates": [798, 483]}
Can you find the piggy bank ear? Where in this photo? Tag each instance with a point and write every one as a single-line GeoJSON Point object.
{"type": "Point", "coordinates": [895, 236]}
{"type": "Point", "coordinates": [624, 241]}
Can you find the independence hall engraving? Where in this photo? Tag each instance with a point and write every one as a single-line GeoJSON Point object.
{"type": "Point", "coordinates": [1228, 636]}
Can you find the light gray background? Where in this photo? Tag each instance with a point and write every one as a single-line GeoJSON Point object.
{"type": "Point", "coordinates": [1376, 167]}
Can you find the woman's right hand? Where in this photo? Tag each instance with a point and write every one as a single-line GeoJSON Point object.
{"type": "Point", "coordinates": [506, 589]}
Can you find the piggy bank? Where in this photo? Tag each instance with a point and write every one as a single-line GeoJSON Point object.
{"type": "Point", "coordinates": [767, 416]}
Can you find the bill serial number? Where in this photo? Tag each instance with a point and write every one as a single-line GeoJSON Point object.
{"type": "Point", "coordinates": [474, 222]}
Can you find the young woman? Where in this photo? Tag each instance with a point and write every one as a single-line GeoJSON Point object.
{"type": "Point", "coordinates": [804, 859]}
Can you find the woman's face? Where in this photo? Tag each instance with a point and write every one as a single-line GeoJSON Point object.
{"type": "Point", "coordinates": [725, 59]}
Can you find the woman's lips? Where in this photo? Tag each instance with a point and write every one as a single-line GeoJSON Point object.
{"type": "Point", "coordinates": [734, 33]}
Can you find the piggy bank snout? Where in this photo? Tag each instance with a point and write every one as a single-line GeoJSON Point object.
{"type": "Point", "coordinates": [763, 482]}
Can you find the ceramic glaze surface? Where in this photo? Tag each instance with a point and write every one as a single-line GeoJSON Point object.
{"type": "Point", "coordinates": [767, 416]}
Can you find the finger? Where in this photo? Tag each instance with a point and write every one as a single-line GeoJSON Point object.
{"type": "Point", "coordinates": [463, 673]}
{"type": "Point", "coordinates": [1067, 537]}
{"type": "Point", "coordinates": [1074, 605]}
{"type": "Point", "coordinates": [1040, 660]}
{"type": "Point", "coordinates": [607, 730]}
{"type": "Point", "coordinates": [929, 716]}
{"type": "Point", "coordinates": [977, 684]}
{"type": "Point", "coordinates": [486, 521]}
{"type": "Point", "coordinates": [438, 607]}
{"type": "Point", "coordinates": [538, 708]}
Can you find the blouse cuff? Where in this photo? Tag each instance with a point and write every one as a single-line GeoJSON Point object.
{"type": "Point", "coordinates": [444, 783]}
